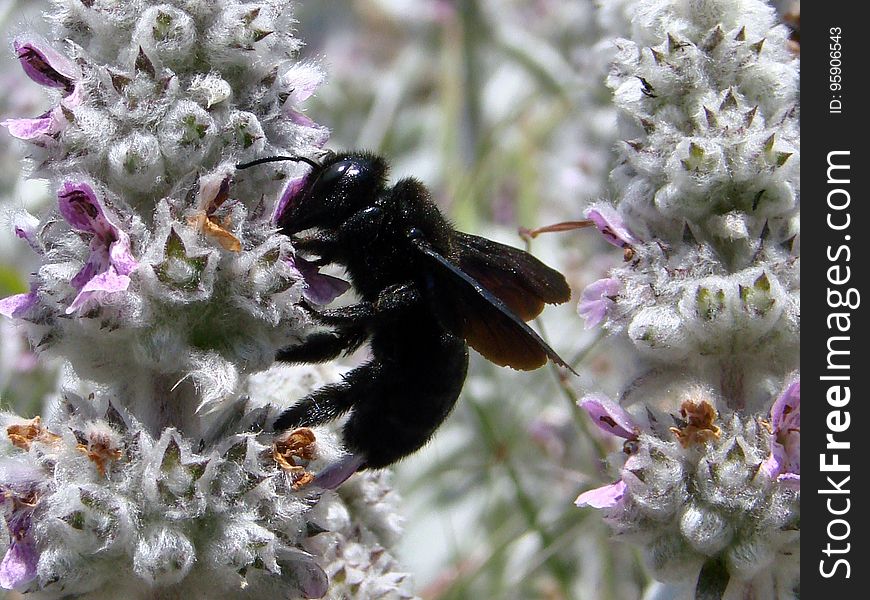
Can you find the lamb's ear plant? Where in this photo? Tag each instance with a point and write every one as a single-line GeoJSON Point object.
{"type": "Point", "coordinates": [165, 285]}
{"type": "Point", "coordinates": [705, 210]}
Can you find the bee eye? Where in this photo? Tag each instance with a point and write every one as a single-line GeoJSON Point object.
{"type": "Point", "coordinates": [415, 234]}
{"type": "Point", "coordinates": [330, 176]}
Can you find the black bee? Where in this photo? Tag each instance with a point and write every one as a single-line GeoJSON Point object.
{"type": "Point", "coordinates": [427, 292]}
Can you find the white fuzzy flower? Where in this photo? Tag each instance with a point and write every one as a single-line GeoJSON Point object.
{"type": "Point", "coordinates": [95, 504]}
{"type": "Point", "coordinates": [707, 186]}
{"type": "Point", "coordinates": [167, 262]}
{"type": "Point", "coordinates": [697, 496]}
{"type": "Point", "coordinates": [165, 282]}
{"type": "Point", "coordinates": [707, 197]}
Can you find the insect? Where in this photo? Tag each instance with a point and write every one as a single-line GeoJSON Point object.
{"type": "Point", "coordinates": [426, 292]}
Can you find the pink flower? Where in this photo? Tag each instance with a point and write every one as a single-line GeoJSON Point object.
{"type": "Point", "coordinates": [19, 484]}
{"type": "Point", "coordinates": [27, 129]}
{"type": "Point", "coordinates": [784, 462]}
{"type": "Point", "coordinates": [46, 66]}
{"type": "Point", "coordinates": [597, 299]}
{"type": "Point", "coordinates": [611, 225]}
{"type": "Point", "coordinates": [17, 305]}
{"type": "Point", "coordinates": [337, 473]}
{"type": "Point", "coordinates": [319, 288]}
{"type": "Point", "coordinates": [610, 417]}
{"type": "Point", "coordinates": [615, 420]}
{"type": "Point", "coordinates": [26, 228]}
{"type": "Point", "coordinates": [18, 566]}
{"type": "Point", "coordinates": [43, 129]}
{"type": "Point", "coordinates": [290, 194]}
{"type": "Point", "coordinates": [110, 263]}
{"type": "Point", "coordinates": [606, 496]}
{"type": "Point", "coordinates": [299, 118]}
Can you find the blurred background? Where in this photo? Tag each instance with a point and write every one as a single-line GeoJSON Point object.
{"type": "Point", "coordinates": [500, 108]}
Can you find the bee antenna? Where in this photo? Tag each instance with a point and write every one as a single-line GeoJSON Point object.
{"type": "Point", "coordinates": [269, 159]}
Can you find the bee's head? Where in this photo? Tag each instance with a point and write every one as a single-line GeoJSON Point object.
{"type": "Point", "coordinates": [333, 191]}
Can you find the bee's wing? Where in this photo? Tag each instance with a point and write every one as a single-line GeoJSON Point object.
{"type": "Point", "coordinates": [516, 277]}
{"type": "Point", "coordinates": [488, 324]}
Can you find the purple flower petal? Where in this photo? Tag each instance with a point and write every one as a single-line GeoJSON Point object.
{"type": "Point", "coordinates": [26, 228]}
{"type": "Point", "coordinates": [108, 281]}
{"type": "Point", "coordinates": [19, 564]}
{"type": "Point", "coordinates": [773, 465]}
{"type": "Point", "coordinates": [611, 225]}
{"type": "Point", "coordinates": [291, 192]}
{"type": "Point", "coordinates": [784, 462]}
{"type": "Point", "coordinates": [110, 262]}
{"type": "Point", "coordinates": [31, 129]}
{"type": "Point", "coordinates": [120, 256]}
{"type": "Point", "coordinates": [17, 305]}
{"type": "Point", "coordinates": [97, 262]}
{"type": "Point", "coordinates": [320, 289]}
{"type": "Point", "coordinates": [323, 289]}
{"type": "Point", "coordinates": [79, 205]}
{"type": "Point", "coordinates": [71, 101]}
{"type": "Point", "coordinates": [46, 66]}
{"type": "Point", "coordinates": [301, 81]}
{"type": "Point", "coordinates": [786, 421]}
{"type": "Point", "coordinates": [610, 417]}
{"type": "Point", "coordinates": [299, 118]}
{"type": "Point", "coordinates": [99, 285]}
{"type": "Point", "coordinates": [41, 130]}
{"type": "Point", "coordinates": [597, 299]}
{"type": "Point", "coordinates": [335, 474]}
{"type": "Point", "coordinates": [780, 463]}
{"type": "Point", "coordinates": [607, 496]}
{"type": "Point", "coordinates": [786, 410]}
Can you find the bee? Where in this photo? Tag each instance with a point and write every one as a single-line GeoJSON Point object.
{"type": "Point", "coordinates": [427, 292]}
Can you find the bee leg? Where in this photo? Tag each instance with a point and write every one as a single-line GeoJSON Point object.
{"type": "Point", "coordinates": [319, 407]}
{"type": "Point", "coordinates": [329, 402]}
{"type": "Point", "coordinates": [323, 346]}
{"type": "Point", "coordinates": [323, 244]}
{"type": "Point", "coordinates": [391, 303]}
{"type": "Point", "coordinates": [355, 315]}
